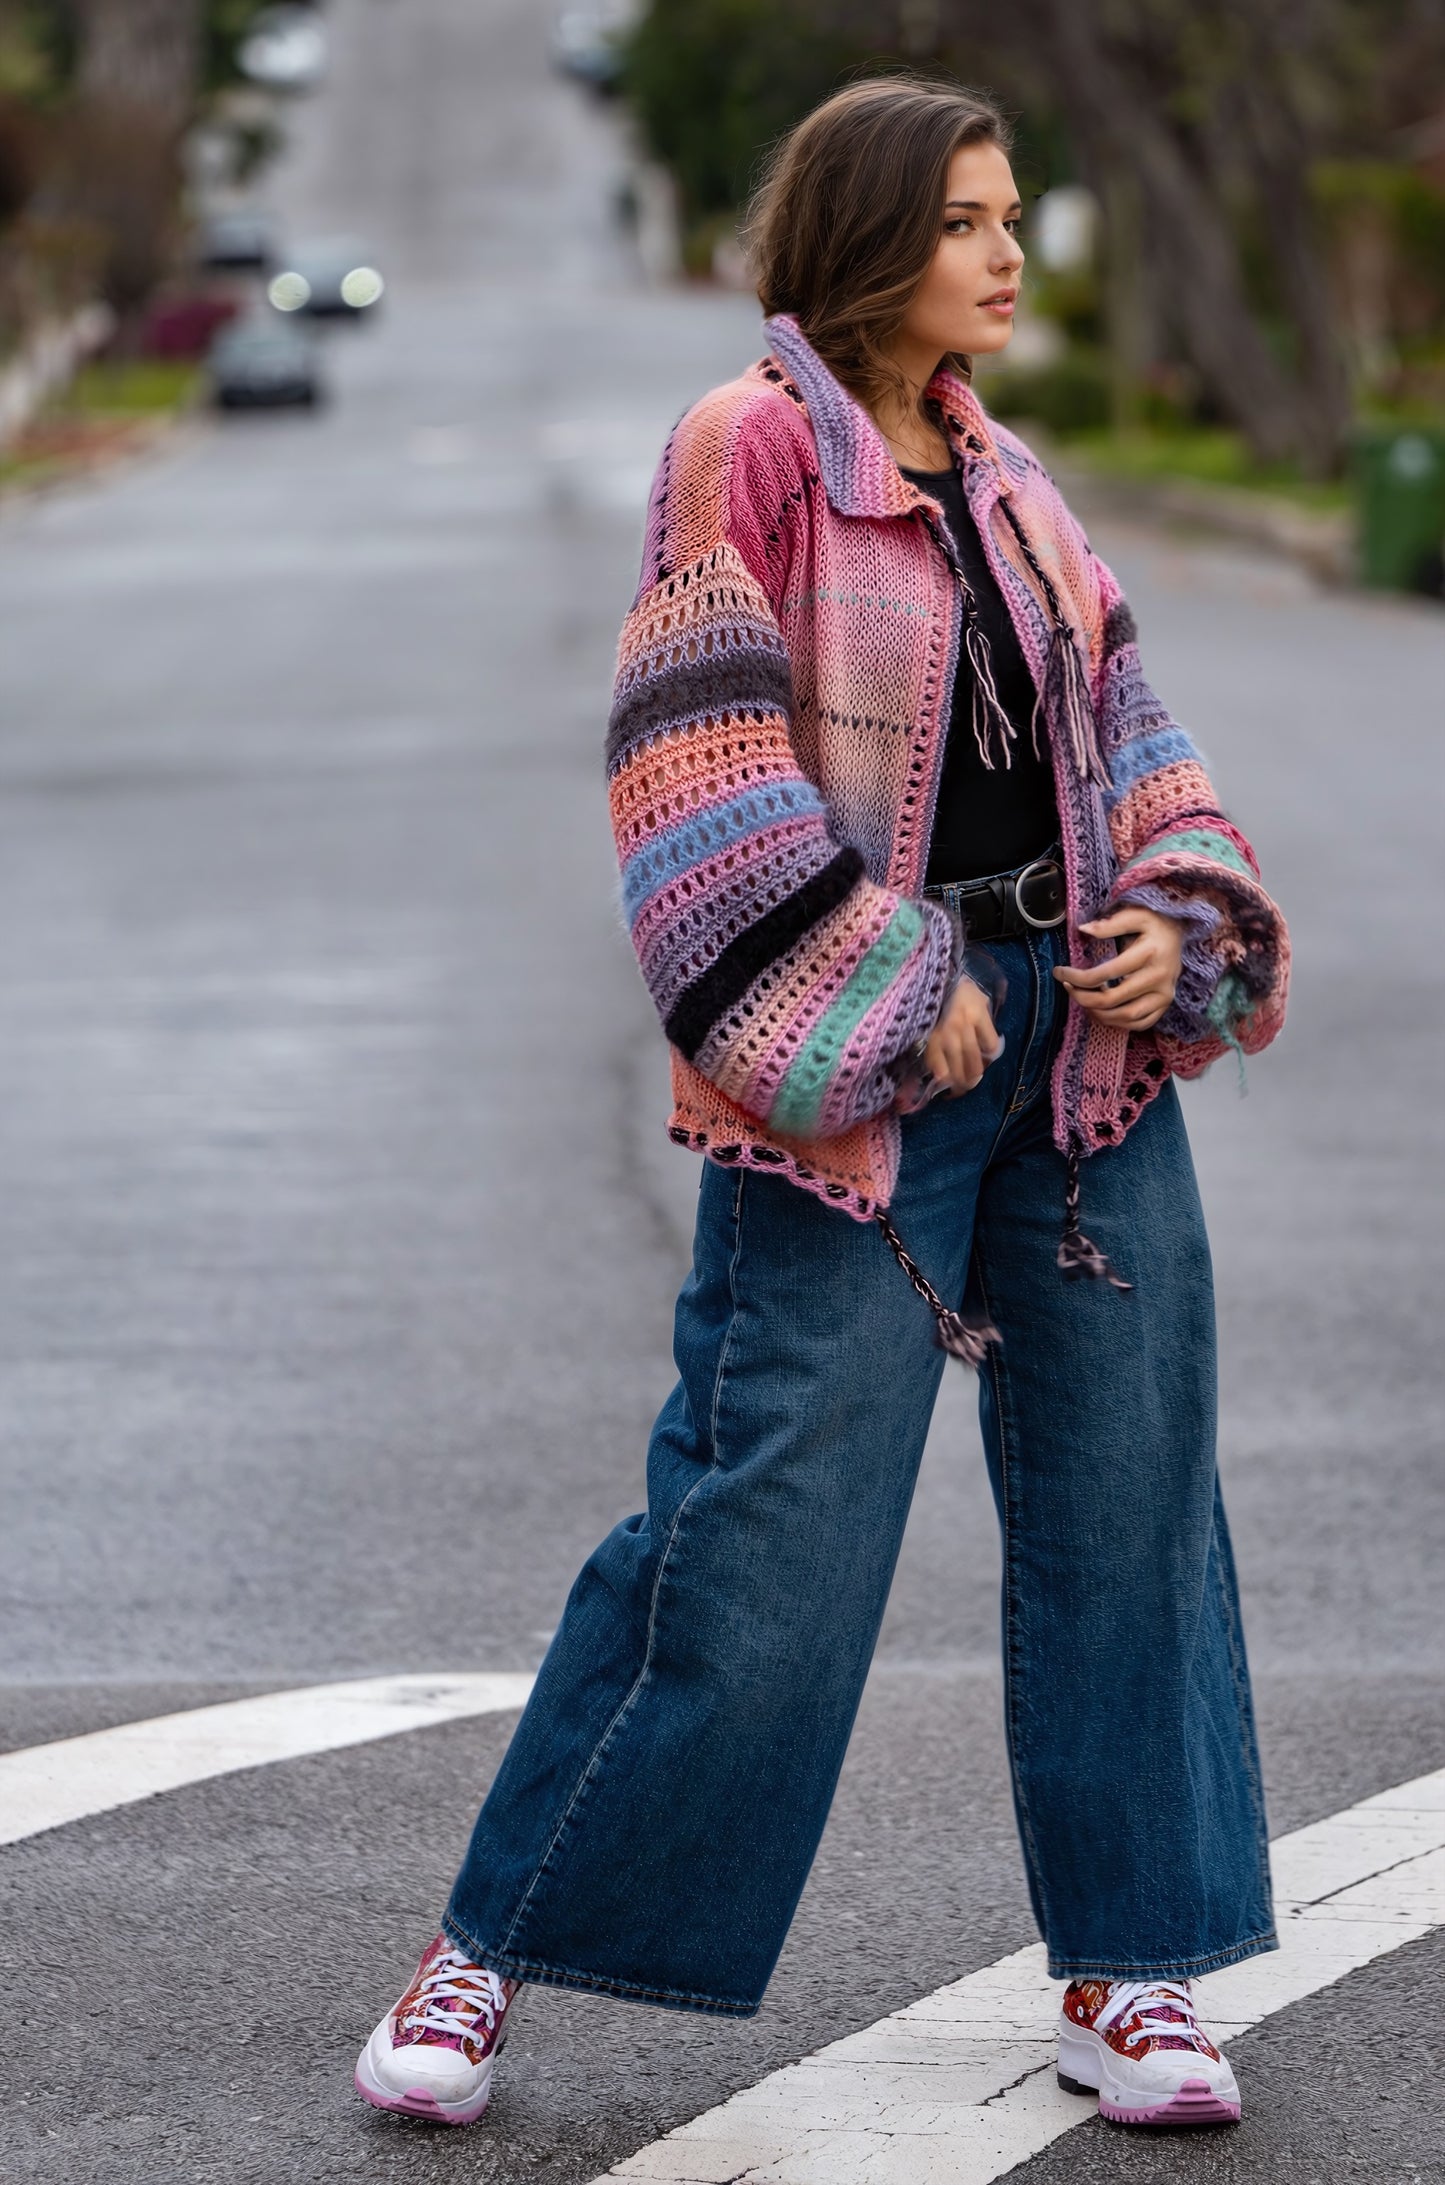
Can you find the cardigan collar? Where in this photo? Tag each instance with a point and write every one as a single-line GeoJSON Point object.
{"type": "Point", "coordinates": [860, 476]}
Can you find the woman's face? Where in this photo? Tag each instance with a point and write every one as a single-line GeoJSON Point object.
{"type": "Point", "coordinates": [965, 300]}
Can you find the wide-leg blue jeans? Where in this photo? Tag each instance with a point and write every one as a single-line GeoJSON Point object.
{"type": "Point", "coordinates": [652, 1824]}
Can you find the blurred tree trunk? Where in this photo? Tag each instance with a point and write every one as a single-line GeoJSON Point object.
{"type": "Point", "coordinates": [1211, 109]}
{"type": "Point", "coordinates": [141, 53]}
{"type": "Point", "coordinates": [137, 75]}
{"type": "Point", "coordinates": [1115, 115]}
{"type": "Point", "coordinates": [1276, 146]}
{"type": "Point", "coordinates": [1127, 313]}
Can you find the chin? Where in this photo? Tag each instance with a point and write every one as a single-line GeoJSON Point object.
{"type": "Point", "coordinates": [990, 339]}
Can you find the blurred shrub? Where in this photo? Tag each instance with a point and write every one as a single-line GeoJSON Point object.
{"type": "Point", "coordinates": [714, 82]}
{"type": "Point", "coordinates": [226, 23]}
{"type": "Point", "coordinates": [1072, 395]}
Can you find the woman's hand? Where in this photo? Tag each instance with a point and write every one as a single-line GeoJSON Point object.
{"type": "Point", "coordinates": [963, 1042]}
{"type": "Point", "coordinates": [1133, 989]}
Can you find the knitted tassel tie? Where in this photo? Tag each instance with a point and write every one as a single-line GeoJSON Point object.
{"type": "Point", "coordinates": [1064, 696]}
{"type": "Point", "coordinates": [1079, 1257]}
{"type": "Point", "coordinates": [1064, 688]}
{"type": "Point", "coordinates": [965, 1336]}
{"type": "Point", "coordinates": [988, 709]}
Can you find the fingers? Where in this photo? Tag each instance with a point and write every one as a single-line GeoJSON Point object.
{"type": "Point", "coordinates": [1119, 921]}
{"type": "Point", "coordinates": [1144, 954]}
{"type": "Point", "coordinates": [1134, 1016]}
{"type": "Point", "coordinates": [1133, 1002]}
{"type": "Point", "coordinates": [1150, 980]}
{"type": "Point", "coordinates": [956, 1058]}
{"type": "Point", "coordinates": [965, 1041]}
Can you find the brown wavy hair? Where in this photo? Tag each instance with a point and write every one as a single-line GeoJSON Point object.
{"type": "Point", "coordinates": [845, 221]}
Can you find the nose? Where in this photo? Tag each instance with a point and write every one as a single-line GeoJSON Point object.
{"type": "Point", "coordinates": [1009, 256]}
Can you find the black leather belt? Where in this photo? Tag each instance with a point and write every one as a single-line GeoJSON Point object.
{"type": "Point", "coordinates": [1008, 904]}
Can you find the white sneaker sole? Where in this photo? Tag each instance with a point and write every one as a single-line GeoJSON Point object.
{"type": "Point", "coordinates": [419, 2101]}
{"type": "Point", "coordinates": [1087, 2065]}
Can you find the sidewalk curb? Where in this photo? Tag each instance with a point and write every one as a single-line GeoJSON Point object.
{"type": "Point", "coordinates": [1320, 541]}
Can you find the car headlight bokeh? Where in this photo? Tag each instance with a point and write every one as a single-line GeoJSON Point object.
{"type": "Point", "coordinates": [361, 287]}
{"type": "Point", "coordinates": [290, 291]}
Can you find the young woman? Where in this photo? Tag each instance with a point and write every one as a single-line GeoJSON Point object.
{"type": "Point", "coordinates": [934, 900]}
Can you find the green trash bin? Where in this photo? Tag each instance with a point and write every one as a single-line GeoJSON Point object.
{"type": "Point", "coordinates": [1400, 480]}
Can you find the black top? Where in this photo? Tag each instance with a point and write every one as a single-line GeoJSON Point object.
{"type": "Point", "coordinates": [988, 820]}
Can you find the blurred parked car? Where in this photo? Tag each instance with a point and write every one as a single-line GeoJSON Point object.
{"type": "Point", "coordinates": [285, 49]}
{"type": "Point", "coordinates": [238, 242]}
{"type": "Point", "coordinates": [332, 279]}
{"type": "Point", "coordinates": [263, 363]}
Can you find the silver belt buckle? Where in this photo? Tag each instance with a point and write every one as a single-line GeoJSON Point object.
{"type": "Point", "coordinates": [1040, 925]}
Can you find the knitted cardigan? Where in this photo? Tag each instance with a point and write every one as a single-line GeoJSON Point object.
{"type": "Point", "coordinates": [782, 701]}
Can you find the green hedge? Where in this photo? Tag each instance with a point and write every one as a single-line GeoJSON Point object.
{"type": "Point", "coordinates": [714, 82]}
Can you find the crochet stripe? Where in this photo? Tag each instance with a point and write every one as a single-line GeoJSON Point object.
{"type": "Point", "coordinates": [805, 1087]}
{"type": "Point", "coordinates": [672, 853]}
{"type": "Point", "coordinates": [734, 971]}
{"type": "Point", "coordinates": [1145, 755]}
{"type": "Point", "coordinates": [1193, 842]}
{"type": "Point", "coordinates": [734, 676]}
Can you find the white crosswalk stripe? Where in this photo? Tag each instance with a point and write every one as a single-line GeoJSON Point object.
{"type": "Point", "coordinates": [959, 2088]}
{"type": "Point", "coordinates": [955, 2089]}
{"type": "Point", "coordinates": [47, 1786]}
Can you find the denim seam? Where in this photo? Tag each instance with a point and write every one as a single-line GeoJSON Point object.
{"type": "Point", "coordinates": [1159, 1968]}
{"type": "Point", "coordinates": [1010, 1673]}
{"type": "Point", "coordinates": [1023, 1098]}
{"type": "Point", "coordinates": [725, 1347]}
{"type": "Point", "coordinates": [537, 1971]}
{"type": "Point", "coordinates": [1244, 1711]}
{"type": "Point", "coordinates": [589, 1772]}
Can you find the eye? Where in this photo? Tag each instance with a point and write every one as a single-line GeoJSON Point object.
{"type": "Point", "coordinates": [958, 225]}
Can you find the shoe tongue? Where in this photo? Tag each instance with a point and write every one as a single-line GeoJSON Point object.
{"type": "Point", "coordinates": [1165, 2013]}
{"type": "Point", "coordinates": [461, 2006]}
{"type": "Point", "coordinates": [428, 2036]}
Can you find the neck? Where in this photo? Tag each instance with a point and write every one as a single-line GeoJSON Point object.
{"type": "Point", "coordinates": [914, 439]}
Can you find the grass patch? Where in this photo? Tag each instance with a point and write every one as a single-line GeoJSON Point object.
{"type": "Point", "coordinates": [1202, 455]}
{"type": "Point", "coordinates": [108, 411]}
{"type": "Point", "coordinates": [146, 388]}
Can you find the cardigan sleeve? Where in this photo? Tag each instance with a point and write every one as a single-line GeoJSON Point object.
{"type": "Point", "coordinates": [782, 972]}
{"type": "Point", "coordinates": [1176, 852]}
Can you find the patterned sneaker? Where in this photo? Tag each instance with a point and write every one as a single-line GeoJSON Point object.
{"type": "Point", "coordinates": [432, 2055]}
{"type": "Point", "coordinates": [1138, 2044]}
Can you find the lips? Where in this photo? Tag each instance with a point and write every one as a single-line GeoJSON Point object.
{"type": "Point", "coordinates": [1004, 300]}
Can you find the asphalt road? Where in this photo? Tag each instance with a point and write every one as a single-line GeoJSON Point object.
{"type": "Point", "coordinates": [338, 1233]}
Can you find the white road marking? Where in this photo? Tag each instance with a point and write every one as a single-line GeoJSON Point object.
{"type": "Point", "coordinates": [47, 1786]}
{"type": "Point", "coordinates": [959, 2088]}
{"type": "Point", "coordinates": [956, 2089]}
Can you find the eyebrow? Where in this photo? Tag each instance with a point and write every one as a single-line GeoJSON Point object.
{"type": "Point", "coordinates": [971, 204]}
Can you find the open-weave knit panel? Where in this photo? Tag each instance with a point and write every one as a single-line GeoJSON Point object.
{"type": "Point", "coordinates": [790, 978]}
{"type": "Point", "coordinates": [1170, 838]}
{"type": "Point", "coordinates": [849, 1171]}
{"type": "Point", "coordinates": [783, 694]}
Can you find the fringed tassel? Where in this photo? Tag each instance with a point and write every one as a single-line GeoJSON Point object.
{"type": "Point", "coordinates": [1064, 688]}
{"type": "Point", "coordinates": [988, 709]}
{"type": "Point", "coordinates": [965, 1336]}
{"type": "Point", "coordinates": [1079, 1257]}
{"type": "Point", "coordinates": [1064, 694]}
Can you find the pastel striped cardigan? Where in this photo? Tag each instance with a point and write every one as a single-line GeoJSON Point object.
{"type": "Point", "coordinates": [774, 751]}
